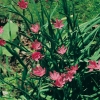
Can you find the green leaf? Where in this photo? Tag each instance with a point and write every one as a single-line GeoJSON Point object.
{"type": "Point", "coordinates": [7, 98]}
{"type": "Point", "coordinates": [88, 25]}
{"type": "Point", "coordinates": [10, 30]}
{"type": "Point", "coordinates": [5, 52]}
{"type": "Point", "coordinates": [96, 55]}
{"type": "Point", "coordinates": [22, 97]}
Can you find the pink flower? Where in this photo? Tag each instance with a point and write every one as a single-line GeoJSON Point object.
{"type": "Point", "coordinates": [36, 45]}
{"type": "Point", "coordinates": [37, 56]}
{"type": "Point", "coordinates": [58, 24]}
{"type": "Point", "coordinates": [59, 79]}
{"type": "Point", "coordinates": [61, 50]}
{"type": "Point", "coordinates": [54, 76]}
{"type": "Point", "coordinates": [35, 28]}
{"type": "Point", "coordinates": [73, 69]}
{"type": "Point", "coordinates": [93, 65]}
{"type": "Point", "coordinates": [22, 4]}
{"type": "Point", "coordinates": [63, 75]}
{"type": "Point", "coordinates": [38, 71]}
{"type": "Point", "coordinates": [2, 42]}
{"type": "Point", "coordinates": [59, 82]}
{"type": "Point", "coordinates": [1, 29]}
{"type": "Point", "coordinates": [69, 76]}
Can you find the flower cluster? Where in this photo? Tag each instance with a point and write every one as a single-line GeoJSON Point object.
{"type": "Point", "coordinates": [36, 45]}
{"type": "Point", "coordinates": [57, 78]}
{"type": "Point", "coordinates": [61, 78]}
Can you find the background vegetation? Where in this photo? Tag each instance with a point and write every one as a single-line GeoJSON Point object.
{"type": "Point", "coordinates": [86, 9]}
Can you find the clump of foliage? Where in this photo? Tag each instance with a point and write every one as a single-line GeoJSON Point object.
{"type": "Point", "coordinates": [56, 59]}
